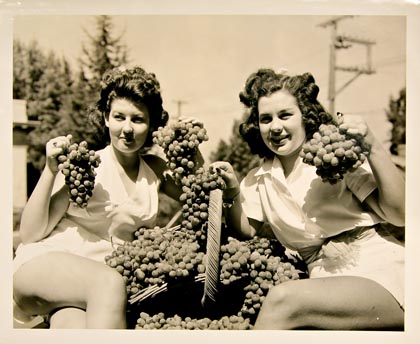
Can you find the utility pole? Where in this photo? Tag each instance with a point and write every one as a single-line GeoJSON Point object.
{"type": "Point", "coordinates": [179, 103]}
{"type": "Point", "coordinates": [344, 42]}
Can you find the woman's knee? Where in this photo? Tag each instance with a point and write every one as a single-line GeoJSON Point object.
{"type": "Point", "coordinates": [109, 283]}
{"type": "Point", "coordinates": [281, 307]}
{"type": "Point", "coordinates": [68, 317]}
{"type": "Point", "coordinates": [281, 295]}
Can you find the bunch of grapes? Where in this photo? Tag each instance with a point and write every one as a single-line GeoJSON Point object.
{"type": "Point", "coordinates": [176, 322]}
{"type": "Point", "coordinates": [156, 256]}
{"type": "Point", "coordinates": [234, 261]}
{"type": "Point", "coordinates": [78, 164]}
{"type": "Point", "coordinates": [334, 151]}
{"type": "Point", "coordinates": [262, 262]}
{"type": "Point", "coordinates": [180, 142]}
{"type": "Point", "coordinates": [195, 198]}
{"type": "Point", "coordinates": [264, 272]}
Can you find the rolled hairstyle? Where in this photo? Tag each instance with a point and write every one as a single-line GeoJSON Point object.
{"type": "Point", "coordinates": [264, 83]}
{"type": "Point", "coordinates": [133, 84]}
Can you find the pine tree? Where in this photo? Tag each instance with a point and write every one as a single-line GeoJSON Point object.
{"type": "Point", "coordinates": [101, 54]}
{"type": "Point", "coordinates": [53, 87]}
{"type": "Point", "coordinates": [35, 65]}
{"type": "Point", "coordinates": [19, 70]}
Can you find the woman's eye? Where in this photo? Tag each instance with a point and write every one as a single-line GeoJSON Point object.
{"type": "Point", "coordinates": [265, 119]}
{"type": "Point", "coordinates": [138, 120]}
{"type": "Point", "coordinates": [118, 116]}
{"type": "Point", "coordinates": [285, 115]}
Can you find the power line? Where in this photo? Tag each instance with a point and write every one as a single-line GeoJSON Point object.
{"type": "Point", "coordinates": [344, 42]}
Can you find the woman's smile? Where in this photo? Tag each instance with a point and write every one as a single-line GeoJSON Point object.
{"type": "Point", "coordinates": [280, 122]}
{"type": "Point", "coordinates": [279, 140]}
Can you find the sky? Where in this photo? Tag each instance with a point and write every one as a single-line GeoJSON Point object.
{"type": "Point", "coordinates": [202, 61]}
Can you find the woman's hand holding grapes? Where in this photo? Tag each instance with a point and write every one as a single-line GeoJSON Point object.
{"type": "Point", "coordinates": [194, 121]}
{"type": "Point", "coordinates": [226, 171]}
{"type": "Point", "coordinates": [356, 126]}
{"type": "Point", "coordinates": [54, 148]}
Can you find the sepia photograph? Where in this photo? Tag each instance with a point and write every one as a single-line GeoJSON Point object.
{"type": "Point", "coordinates": [249, 170]}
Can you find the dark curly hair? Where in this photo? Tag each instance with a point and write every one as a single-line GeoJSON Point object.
{"type": "Point", "coordinates": [264, 83]}
{"type": "Point", "coordinates": [136, 85]}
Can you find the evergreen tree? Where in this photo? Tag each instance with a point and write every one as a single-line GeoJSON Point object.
{"type": "Point", "coordinates": [101, 54]}
{"type": "Point", "coordinates": [236, 152]}
{"type": "Point", "coordinates": [53, 87]}
{"type": "Point", "coordinates": [19, 70]}
{"type": "Point", "coordinates": [34, 66]}
{"type": "Point", "coordinates": [396, 114]}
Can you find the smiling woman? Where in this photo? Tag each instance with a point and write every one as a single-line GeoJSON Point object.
{"type": "Point", "coordinates": [336, 228]}
{"type": "Point", "coordinates": [281, 125]}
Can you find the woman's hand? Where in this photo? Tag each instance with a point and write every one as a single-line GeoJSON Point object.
{"type": "Point", "coordinates": [357, 126]}
{"type": "Point", "coordinates": [225, 170]}
{"type": "Point", "coordinates": [192, 120]}
{"type": "Point", "coordinates": [55, 147]}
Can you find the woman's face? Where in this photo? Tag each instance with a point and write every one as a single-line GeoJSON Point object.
{"type": "Point", "coordinates": [128, 125]}
{"type": "Point", "coordinates": [280, 122]}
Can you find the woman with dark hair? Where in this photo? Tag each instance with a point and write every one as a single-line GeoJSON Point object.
{"type": "Point", "coordinates": [60, 268]}
{"type": "Point", "coordinates": [355, 267]}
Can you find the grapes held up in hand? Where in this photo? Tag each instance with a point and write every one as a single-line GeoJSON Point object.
{"type": "Point", "coordinates": [334, 151]}
{"type": "Point", "coordinates": [180, 142]}
{"type": "Point", "coordinates": [78, 163]}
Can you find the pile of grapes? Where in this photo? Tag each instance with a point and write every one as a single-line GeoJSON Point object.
{"type": "Point", "coordinates": [78, 164]}
{"type": "Point", "coordinates": [157, 256]}
{"type": "Point", "coordinates": [334, 151]}
{"type": "Point", "coordinates": [159, 321]}
{"type": "Point", "coordinates": [161, 259]}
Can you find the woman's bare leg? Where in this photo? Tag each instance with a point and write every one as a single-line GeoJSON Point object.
{"type": "Point", "coordinates": [58, 279]}
{"type": "Point", "coordinates": [336, 303]}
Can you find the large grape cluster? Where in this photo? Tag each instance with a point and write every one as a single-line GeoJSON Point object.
{"type": "Point", "coordinates": [180, 142]}
{"type": "Point", "coordinates": [334, 151]}
{"type": "Point", "coordinates": [195, 199]}
{"type": "Point", "coordinates": [234, 261]}
{"type": "Point", "coordinates": [262, 262]}
{"type": "Point", "coordinates": [78, 164]}
{"type": "Point", "coordinates": [264, 272]}
{"type": "Point", "coordinates": [156, 256]}
{"type": "Point", "coordinates": [176, 322]}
